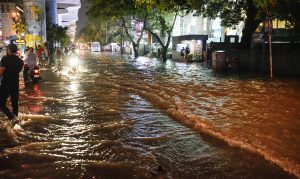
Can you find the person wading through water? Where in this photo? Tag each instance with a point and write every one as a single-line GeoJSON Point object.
{"type": "Point", "coordinates": [10, 67]}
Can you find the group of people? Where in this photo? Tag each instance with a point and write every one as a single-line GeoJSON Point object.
{"type": "Point", "coordinates": [184, 53]}
{"type": "Point", "coordinates": [33, 57]}
{"type": "Point", "coordinates": [11, 65]}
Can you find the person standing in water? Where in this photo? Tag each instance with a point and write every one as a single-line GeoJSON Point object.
{"type": "Point", "coordinates": [10, 67]}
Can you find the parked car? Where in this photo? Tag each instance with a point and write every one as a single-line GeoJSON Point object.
{"type": "Point", "coordinates": [95, 47]}
{"type": "Point", "coordinates": [107, 48]}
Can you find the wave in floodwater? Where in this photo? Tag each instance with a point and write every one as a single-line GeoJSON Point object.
{"type": "Point", "coordinates": [249, 112]}
{"type": "Point", "coordinates": [78, 119]}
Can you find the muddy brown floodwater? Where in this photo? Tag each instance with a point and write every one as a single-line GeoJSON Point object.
{"type": "Point", "coordinates": [122, 118]}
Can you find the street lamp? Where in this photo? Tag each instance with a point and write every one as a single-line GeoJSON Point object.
{"type": "Point", "coordinates": [13, 15]}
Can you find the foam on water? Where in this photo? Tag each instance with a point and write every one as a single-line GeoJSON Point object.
{"type": "Point", "coordinates": [14, 134]}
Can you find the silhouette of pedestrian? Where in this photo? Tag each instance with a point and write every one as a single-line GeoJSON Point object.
{"type": "Point", "coordinates": [10, 67]}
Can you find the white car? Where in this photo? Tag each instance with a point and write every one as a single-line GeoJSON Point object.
{"type": "Point", "coordinates": [95, 47]}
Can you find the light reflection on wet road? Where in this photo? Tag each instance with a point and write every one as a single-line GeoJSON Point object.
{"type": "Point", "coordinates": [115, 119]}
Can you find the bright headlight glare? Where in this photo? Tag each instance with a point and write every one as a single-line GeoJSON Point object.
{"type": "Point", "coordinates": [74, 61]}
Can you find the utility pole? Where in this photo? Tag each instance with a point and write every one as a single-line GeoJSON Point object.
{"type": "Point", "coordinates": [270, 47]}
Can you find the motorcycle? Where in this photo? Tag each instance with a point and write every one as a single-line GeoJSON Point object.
{"type": "Point", "coordinates": [31, 74]}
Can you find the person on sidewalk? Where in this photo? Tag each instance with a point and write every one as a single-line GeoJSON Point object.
{"type": "Point", "coordinates": [10, 67]}
{"type": "Point", "coordinates": [187, 52]}
{"type": "Point", "coordinates": [182, 51]}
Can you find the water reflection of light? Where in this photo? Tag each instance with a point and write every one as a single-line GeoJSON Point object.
{"type": "Point", "coordinates": [35, 108]}
{"type": "Point", "coordinates": [36, 91]}
{"type": "Point", "coordinates": [73, 87]}
{"type": "Point", "coordinates": [143, 60]}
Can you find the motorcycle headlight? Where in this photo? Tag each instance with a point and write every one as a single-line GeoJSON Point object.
{"type": "Point", "coordinates": [73, 61]}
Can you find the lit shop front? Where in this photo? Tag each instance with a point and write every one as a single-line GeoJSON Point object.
{"type": "Point", "coordinates": [196, 45]}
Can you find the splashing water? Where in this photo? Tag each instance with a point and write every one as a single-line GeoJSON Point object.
{"type": "Point", "coordinates": [114, 118]}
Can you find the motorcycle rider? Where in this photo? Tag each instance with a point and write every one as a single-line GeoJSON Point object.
{"type": "Point", "coordinates": [73, 53]}
{"type": "Point", "coordinates": [31, 60]}
{"type": "Point", "coordinates": [73, 59]}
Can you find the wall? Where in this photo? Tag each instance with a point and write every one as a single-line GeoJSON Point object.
{"type": "Point", "coordinates": [286, 57]}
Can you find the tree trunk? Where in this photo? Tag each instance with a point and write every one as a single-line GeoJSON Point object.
{"type": "Point", "coordinates": [135, 44]}
{"type": "Point", "coordinates": [122, 41]}
{"type": "Point", "coordinates": [163, 46]}
{"type": "Point", "coordinates": [169, 30]}
{"type": "Point", "coordinates": [164, 53]}
{"type": "Point", "coordinates": [250, 25]}
{"type": "Point", "coordinates": [270, 47]}
{"type": "Point", "coordinates": [135, 49]}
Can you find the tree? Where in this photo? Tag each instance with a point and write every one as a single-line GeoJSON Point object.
{"type": "Point", "coordinates": [251, 12]}
{"type": "Point", "coordinates": [162, 15]}
{"type": "Point", "coordinates": [94, 31]}
{"type": "Point", "coordinates": [125, 14]}
{"type": "Point", "coordinates": [56, 35]}
{"type": "Point", "coordinates": [289, 10]}
{"type": "Point", "coordinates": [62, 37]}
{"type": "Point", "coordinates": [160, 25]}
{"type": "Point", "coordinates": [231, 14]}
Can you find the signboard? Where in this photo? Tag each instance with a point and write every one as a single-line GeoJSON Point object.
{"type": "Point", "coordinates": [22, 41]}
{"type": "Point", "coordinates": [34, 12]}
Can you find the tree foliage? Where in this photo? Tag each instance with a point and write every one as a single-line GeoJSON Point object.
{"type": "Point", "coordinates": [158, 16]}
{"type": "Point", "coordinates": [160, 25]}
{"type": "Point", "coordinates": [57, 34]}
{"type": "Point", "coordinates": [121, 15]}
{"type": "Point", "coordinates": [162, 15]}
{"type": "Point", "coordinates": [289, 10]}
{"type": "Point", "coordinates": [93, 31]}
{"type": "Point", "coordinates": [251, 12]}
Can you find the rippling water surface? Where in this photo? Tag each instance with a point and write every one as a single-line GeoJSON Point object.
{"type": "Point", "coordinates": [118, 117]}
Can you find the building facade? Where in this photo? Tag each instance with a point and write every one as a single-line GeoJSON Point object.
{"type": "Point", "coordinates": [6, 23]}
{"type": "Point", "coordinates": [65, 13]}
{"type": "Point", "coordinates": [35, 22]}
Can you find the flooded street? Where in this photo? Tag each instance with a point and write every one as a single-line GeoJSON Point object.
{"type": "Point", "coordinates": [123, 118]}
